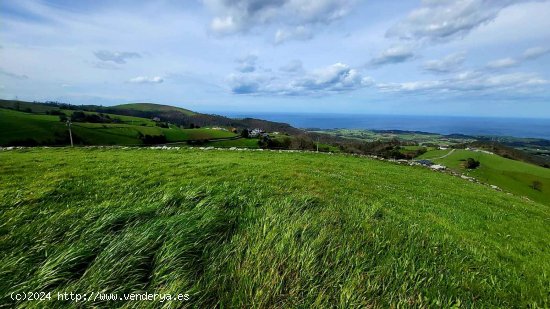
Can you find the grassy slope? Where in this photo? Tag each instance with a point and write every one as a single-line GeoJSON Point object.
{"type": "Point", "coordinates": [258, 229]}
{"type": "Point", "coordinates": [435, 153]}
{"type": "Point", "coordinates": [35, 108]}
{"type": "Point", "coordinates": [514, 176]}
{"type": "Point", "coordinates": [154, 107]}
{"type": "Point", "coordinates": [46, 129]}
{"type": "Point", "coordinates": [175, 134]}
{"type": "Point", "coordinates": [16, 125]}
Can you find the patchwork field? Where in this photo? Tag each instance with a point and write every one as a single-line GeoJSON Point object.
{"type": "Point", "coordinates": [264, 229]}
{"type": "Point", "coordinates": [18, 127]}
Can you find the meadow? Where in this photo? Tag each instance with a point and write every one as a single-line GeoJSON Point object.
{"type": "Point", "coordinates": [17, 127]}
{"type": "Point", "coordinates": [511, 175]}
{"type": "Point", "coordinates": [263, 229]}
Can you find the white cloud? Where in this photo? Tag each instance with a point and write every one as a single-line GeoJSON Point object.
{"type": "Point", "coordinates": [471, 81]}
{"type": "Point", "coordinates": [234, 16]}
{"type": "Point", "coordinates": [445, 20]}
{"type": "Point", "coordinates": [300, 33]}
{"type": "Point", "coordinates": [503, 63]}
{"type": "Point", "coordinates": [396, 54]}
{"type": "Point", "coordinates": [146, 80]}
{"type": "Point", "coordinates": [335, 78]}
{"type": "Point", "coordinates": [116, 57]}
{"type": "Point", "coordinates": [447, 64]}
{"type": "Point", "coordinates": [529, 54]}
{"type": "Point", "coordinates": [247, 64]}
{"type": "Point", "coordinates": [535, 52]}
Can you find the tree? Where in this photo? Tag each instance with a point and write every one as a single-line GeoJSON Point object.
{"type": "Point", "coordinates": [471, 163]}
{"type": "Point", "coordinates": [245, 133]}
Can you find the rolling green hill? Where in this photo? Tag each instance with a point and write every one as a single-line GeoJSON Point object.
{"type": "Point", "coordinates": [143, 113]}
{"type": "Point", "coordinates": [513, 176]}
{"type": "Point", "coordinates": [263, 229]}
{"type": "Point", "coordinates": [21, 128]}
{"type": "Point", "coordinates": [150, 107]}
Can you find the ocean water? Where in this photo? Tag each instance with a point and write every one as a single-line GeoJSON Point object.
{"type": "Point", "coordinates": [516, 127]}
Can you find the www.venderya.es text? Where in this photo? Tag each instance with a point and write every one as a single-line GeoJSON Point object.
{"type": "Point", "coordinates": [99, 297]}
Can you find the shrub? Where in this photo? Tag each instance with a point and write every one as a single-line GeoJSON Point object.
{"type": "Point", "coordinates": [471, 163]}
{"type": "Point", "coordinates": [537, 185]}
{"type": "Point", "coordinates": [153, 139]}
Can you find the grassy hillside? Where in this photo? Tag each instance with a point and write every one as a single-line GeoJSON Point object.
{"type": "Point", "coordinates": [514, 176]}
{"type": "Point", "coordinates": [26, 106]}
{"type": "Point", "coordinates": [150, 107]}
{"type": "Point", "coordinates": [18, 128]}
{"type": "Point", "coordinates": [264, 229]}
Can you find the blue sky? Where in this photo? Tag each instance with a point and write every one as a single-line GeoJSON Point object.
{"type": "Point", "coordinates": [430, 57]}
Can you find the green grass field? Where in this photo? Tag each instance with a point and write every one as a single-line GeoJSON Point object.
{"type": "Point", "coordinates": [22, 105]}
{"type": "Point", "coordinates": [434, 153]}
{"type": "Point", "coordinates": [18, 126]}
{"type": "Point", "coordinates": [263, 229]}
{"type": "Point", "coordinates": [513, 176]}
{"type": "Point", "coordinates": [175, 134]}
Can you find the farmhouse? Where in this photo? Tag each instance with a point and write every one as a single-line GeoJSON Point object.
{"type": "Point", "coordinates": [257, 132]}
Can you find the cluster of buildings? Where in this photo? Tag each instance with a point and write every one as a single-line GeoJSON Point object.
{"type": "Point", "coordinates": [257, 133]}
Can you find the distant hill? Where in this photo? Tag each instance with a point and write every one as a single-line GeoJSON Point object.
{"type": "Point", "coordinates": [151, 107]}
{"type": "Point", "coordinates": [42, 123]}
{"type": "Point", "coordinates": [175, 115]}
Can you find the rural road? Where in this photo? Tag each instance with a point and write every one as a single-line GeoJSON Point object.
{"type": "Point", "coordinates": [444, 156]}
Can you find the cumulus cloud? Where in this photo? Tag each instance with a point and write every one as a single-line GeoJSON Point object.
{"type": "Point", "coordinates": [535, 52]}
{"type": "Point", "coordinates": [233, 16]}
{"type": "Point", "coordinates": [335, 78]}
{"type": "Point", "coordinates": [146, 80]}
{"type": "Point", "coordinates": [470, 81]}
{"type": "Point", "coordinates": [443, 20]}
{"type": "Point", "coordinates": [116, 57]}
{"type": "Point", "coordinates": [247, 64]}
{"type": "Point", "coordinates": [448, 64]}
{"type": "Point", "coordinates": [396, 54]}
{"type": "Point", "coordinates": [502, 63]}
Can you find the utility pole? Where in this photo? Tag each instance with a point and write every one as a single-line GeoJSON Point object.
{"type": "Point", "coordinates": [317, 143]}
{"type": "Point", "coordinates": [70, 132]}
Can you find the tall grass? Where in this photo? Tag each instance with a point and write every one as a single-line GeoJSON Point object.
{"type": "Point", "coordinates": [251, 229]}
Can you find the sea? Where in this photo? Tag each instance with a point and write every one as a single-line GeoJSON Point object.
{"type": "Point", "coordinates": [487, 126]}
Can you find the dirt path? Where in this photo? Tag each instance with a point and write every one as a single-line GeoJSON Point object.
{"type": "Point", "coordinates": [444, 156]}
